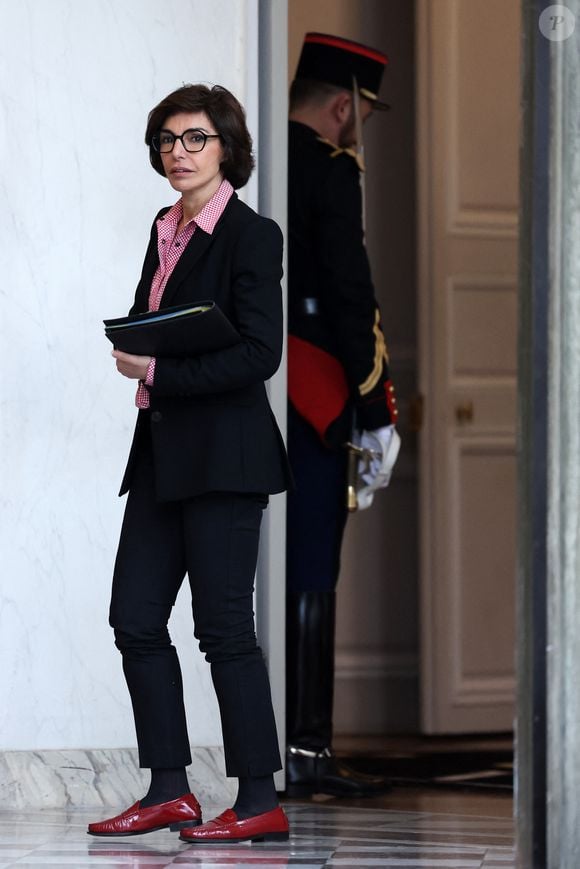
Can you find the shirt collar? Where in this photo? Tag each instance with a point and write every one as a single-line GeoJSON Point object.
{"type": "Point", "coordinates": [213, 210]}
{"type": "Point", "coordinates": [207, 217]}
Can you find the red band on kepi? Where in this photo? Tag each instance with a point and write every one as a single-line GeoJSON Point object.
{"type": "Point", "coordinates": [334, 60]}
{"type": "Point", "coordinates": [347, 45]}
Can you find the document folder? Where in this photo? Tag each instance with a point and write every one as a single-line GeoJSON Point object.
{"type": "Point", "coordinates": [184, 330]}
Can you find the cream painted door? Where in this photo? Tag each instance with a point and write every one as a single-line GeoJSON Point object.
{"type": "Point", "coordinates": [468, 128]}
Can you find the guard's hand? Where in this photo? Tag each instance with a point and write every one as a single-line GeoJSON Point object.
{"type": "Point", "coordinates": [383, 448]}
{"type": "Point", "coordinates": [376, 471]}
{"type": "Point", "coordinates": [134, 367]}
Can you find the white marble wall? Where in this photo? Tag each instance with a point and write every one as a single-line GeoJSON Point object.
{"type": "Point", "coordinates": [100, 778]}
{"type": "Point", "coordinates": [77, 197]}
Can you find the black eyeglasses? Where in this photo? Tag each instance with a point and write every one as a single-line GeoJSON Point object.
{"type": "Point", "coordinates": [192, 140]}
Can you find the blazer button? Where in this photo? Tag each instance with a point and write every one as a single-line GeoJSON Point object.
{"type": "Point", "coordinates": [156, 416]}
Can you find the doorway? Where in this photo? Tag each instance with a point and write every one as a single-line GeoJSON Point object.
{"type": "Point", "coordinates": [425, 633]}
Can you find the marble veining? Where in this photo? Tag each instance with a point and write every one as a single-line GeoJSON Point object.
{"type": "Point", "coordinates": [99, 778]}
{"type": "Point", "coordinates": [59, 839]}
{"type": "Point", "coordinates": [78, 197]}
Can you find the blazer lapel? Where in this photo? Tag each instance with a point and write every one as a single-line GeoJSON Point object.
{"type": "Point", "coordinates": [150, 264]}
{"type": "Point", "coordinates": [198, 245]}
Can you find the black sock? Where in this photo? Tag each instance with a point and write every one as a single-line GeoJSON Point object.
{"type": "Point", "coordinates": [166, 785]}
{"type": "Point", "coordinates": [255, 796]}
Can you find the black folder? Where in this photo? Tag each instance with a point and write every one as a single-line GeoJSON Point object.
{"type": "Point", "coordinates": [184, 330]}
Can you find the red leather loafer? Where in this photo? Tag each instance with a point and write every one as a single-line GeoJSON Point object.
{"type": "Point", "coordinates": [271, 826]}
{"type": "Point", "coordinates": [177, 815]}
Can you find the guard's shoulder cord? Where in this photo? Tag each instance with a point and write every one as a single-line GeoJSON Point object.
{"type": "Point", "coordinates": [336, 150]}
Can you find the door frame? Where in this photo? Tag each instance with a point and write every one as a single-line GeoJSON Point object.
{"type": "Point", "coordinates": [425, 353]}
{"type": "Point", "coordinates": [272, 152]}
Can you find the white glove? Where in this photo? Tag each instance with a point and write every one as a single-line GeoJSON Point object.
{"type": "Point", "coordinates": [376, 467]}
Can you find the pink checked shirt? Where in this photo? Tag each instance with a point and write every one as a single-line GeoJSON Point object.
{"type": "Point", "coordinates": [170, 246]}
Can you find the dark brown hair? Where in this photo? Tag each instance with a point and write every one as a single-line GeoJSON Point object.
{"type": "Point", "coordinates": [227, 116]}
{"type": "Point", "coordinates": [306, 91]}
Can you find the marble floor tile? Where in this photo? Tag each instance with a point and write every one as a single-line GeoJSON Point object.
{"type": "Point", "coordinates": [322, 835]}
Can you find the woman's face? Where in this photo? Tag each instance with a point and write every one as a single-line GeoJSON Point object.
{"type": "Point", "coordinates": [196, 174]}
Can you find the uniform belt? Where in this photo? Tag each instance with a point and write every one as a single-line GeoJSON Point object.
{"type": "Point", "coordinates": [309, 306]}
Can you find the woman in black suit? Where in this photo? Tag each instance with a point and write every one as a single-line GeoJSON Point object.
{"type": "Point", "coordinates": [205, 455]}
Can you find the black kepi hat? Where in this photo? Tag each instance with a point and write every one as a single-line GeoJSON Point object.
{"type": "Point", "coordinates": [335, 60]}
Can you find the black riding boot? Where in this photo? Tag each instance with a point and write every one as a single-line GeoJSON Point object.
{"type": "Point", "coordinates": [311, 767]}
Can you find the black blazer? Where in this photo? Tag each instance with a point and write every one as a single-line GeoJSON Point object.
{"type": "Point", "coordinates": [211, 424]}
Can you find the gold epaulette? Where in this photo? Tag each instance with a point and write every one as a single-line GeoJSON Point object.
{"type": "Point", "coordinates": [336, 150]}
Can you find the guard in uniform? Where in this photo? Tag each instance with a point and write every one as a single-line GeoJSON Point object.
{"type": "Point", "coordinates": [338, 377]}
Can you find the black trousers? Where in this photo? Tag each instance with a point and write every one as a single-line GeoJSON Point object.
{"type": "Point", "coordinates": [316, 511]}
{"type": "Point", "coordinates": [214, 539]}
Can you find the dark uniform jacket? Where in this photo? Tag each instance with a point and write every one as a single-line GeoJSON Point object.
{"type": "Point", "coordinates": [211, 424]}
{"type": "Point", "coordinates": [337, 353]}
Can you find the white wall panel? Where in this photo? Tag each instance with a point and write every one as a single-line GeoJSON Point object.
{"type": "Point", "coordinates": [77, 197]}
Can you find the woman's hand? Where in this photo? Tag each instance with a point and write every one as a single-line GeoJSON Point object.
{"type": "Point", "coordinates": [131, 366]}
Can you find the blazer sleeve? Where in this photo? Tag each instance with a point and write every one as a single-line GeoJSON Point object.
{"type": "Point", "coordinates": [256, 300]}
